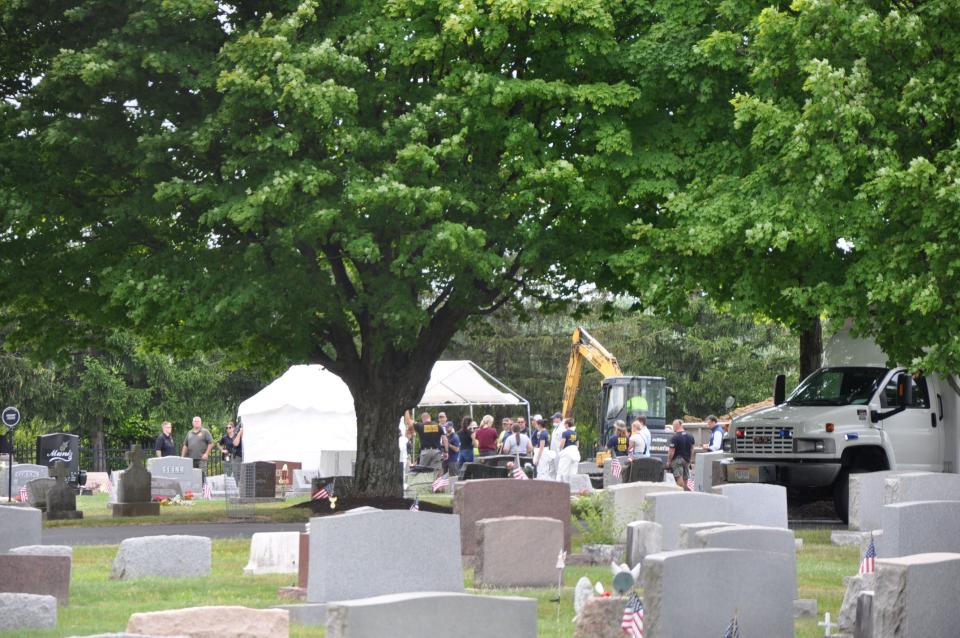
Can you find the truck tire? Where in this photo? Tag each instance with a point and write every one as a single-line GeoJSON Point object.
{"type": "Point", "coordinates": [841, 495]}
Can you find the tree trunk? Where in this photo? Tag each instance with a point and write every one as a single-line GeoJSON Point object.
{"type": "Point", "coordinates": [811, 348]}
{"type": "Point", "coordinates": [98, 447]}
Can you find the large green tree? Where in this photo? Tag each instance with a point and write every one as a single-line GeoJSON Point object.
{"type": "Point", "coordinates": [340, 182]}
{"type": "Point", "coordinates": [836, 192]}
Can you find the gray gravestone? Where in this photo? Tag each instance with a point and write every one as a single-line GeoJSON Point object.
{"type": "Point", "coordinates": [133, 488]}
{"type": "Point", "coordinates": [43, 550]}
{"type": "Point", "coordinates": [438, 614]}
{"type": "Point", "coordinates": [750, 537]}
{"type": "Point", "coordinates": [495, 498]}
{"type": "Point", "coordinates": [226, 621]}
{"type": "Point", "coordinates": [643, 538]}
{"type": "Point", "coordinates": [853, 587]}
{"type": "Point", "coordinates": [686, 538]}
{"type": "Point", "coordinates": [863, 627]}
{"type": "Point", "coordinates": [538, 539]}
{"type": "Point", "coordinates": [165, 487]}
{"type": "Point", "coordinates": [580, 484]}
{"type": "Point", "coordinates": [357, 555]}
{"type": "Point", "coordinates": [676, 508]}
{"type": "Point", "coordinates": [756, 503]}
{"type": "Point", "coordinates": [919, 528]}
{"type": "Point", "coordinates": [587, 467]}
{"type": "Point", "coordinates": [302, 480]}
{"type": "Point", "coordinates": [22, 473]}
{"type": "Point", "coordinates": [274, 553]}
{"type": "Point", "coordinates": [61, 499]}
{"type": "Point", "coordinates": [258, 480]}
{"type": "Point", "coordinates": [176, 556]}
{"type": "Point", "coordinates": [917, 486]}
{"type": "Point", "coordinates": [178, 468]}
{"type": "Point", "coordinates": [866, 498]}
{"type": "Point", "coordinates": [36, 574]}
{"type": "Point", "coordinates": [761, 599]}
{"type": "Point", "coordinates": [608, 477]}
{"type": "Point", "coordinates": [628, 503]}
{"type": "Point", "coordinates": [27, 611]}
{"type": "Point", "coordinates": [19, 526]}
{"type": "Point", "coordinates": [917, 596]}
{"type": "Point", "coordinates": [37, 492]}
{"type": "Point", "coordinates": [222, 486]}
{"type": "Point", "coordinates": [705, 478]}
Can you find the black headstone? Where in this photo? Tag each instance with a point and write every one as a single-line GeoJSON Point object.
{"type": "Point", "coordinates": [60, 447]}
{"type": "Point", "coordinates": [643, 469]}
{"type": "Point", "coordinates": [258, 480]}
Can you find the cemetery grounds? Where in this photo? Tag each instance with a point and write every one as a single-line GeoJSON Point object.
{"type": "Point", "coordinates": [99, 605]}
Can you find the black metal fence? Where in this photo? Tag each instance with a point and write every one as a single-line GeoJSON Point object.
{"type": "Point", "coordinates": [115, 458]}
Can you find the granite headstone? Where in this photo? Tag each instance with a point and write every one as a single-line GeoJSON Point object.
{"type": "Point", "coordinates": [538, 539]}
{"type": "Point", "coordinates": [755, 503]}
{"type": "Point", "coordinates": [19, 526]}
{"type": "Point", "coordinates": [183, 557]}
{"type": "Point", "coordinates": [628, 502]}
{"type": "Point", "coordinates": [917, 596]}
{"type": "Point", "coordinates": [675, 508]}
{"type": "Point", "coordinates": [258, 480]}
{"type": "Point", "coordinates": [61, 499]}
{"type": "Point", "coordinates": [36, 574]}
{"type": "Point", "coordinates": [133, 488]}
{"type": "Point", "coordinates": [178, 468]}
{"type": "Point", "coordinates": [919, 527]}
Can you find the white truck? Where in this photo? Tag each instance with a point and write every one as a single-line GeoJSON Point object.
{"type": "Point", "coordinates": [855, 414]}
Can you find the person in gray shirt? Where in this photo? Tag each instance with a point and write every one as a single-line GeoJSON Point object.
{"type": "Point", "coordinates": [197, 445]}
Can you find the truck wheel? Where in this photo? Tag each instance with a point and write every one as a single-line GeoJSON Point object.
{"type": "Point", "coordinates": [841, 494]}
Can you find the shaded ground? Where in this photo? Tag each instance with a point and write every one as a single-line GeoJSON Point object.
{"type": "Point", "coordinates": [322, 507]}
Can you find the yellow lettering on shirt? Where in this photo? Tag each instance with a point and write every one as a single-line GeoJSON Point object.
{"type": "Point", "coordinates": [431, 428]}
{"type": "Point", "coordinates": [621, 444]}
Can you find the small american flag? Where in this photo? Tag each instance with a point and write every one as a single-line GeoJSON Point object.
{"type": "Point", "coordinates": [440, 483]}
{"type": "Point", "coordinates": [416, 505]}
{"type": "Point", "coordinates": [323, 492]}
{"type": "Point", "coordinates": [869, 563]}
{"type": "Point", "coordinates": [690, 482]}
{"type": "Point", "coordinates": [615, 467]}
{"type": "Point", "coordinates": [561, 559]}
{"type": "Point", "coordinates": [207, 492]}
{"type": "Point", "coordinates": [733, 629]}
{"type": "Point", "coordinates": [632, 623]}
{"type": "Point", "coordinates": [23, 494]}
{"type": "Point", "coordinates": [518, 472]}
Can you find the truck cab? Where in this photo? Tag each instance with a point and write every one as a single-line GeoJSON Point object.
{"type": "Point", "coordinates": [856, 414]}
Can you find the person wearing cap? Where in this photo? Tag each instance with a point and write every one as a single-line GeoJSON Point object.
{"type": "Point", "coordinates": [451, 449]}
{"type": "Point", "coordinates": [619, 442]}
{"type": "Point", "coordinates": [430, 442]}
{"type": "Point", "coordinates": [716, 435]}
{"type": "Point", "coordinates": [544, 459]}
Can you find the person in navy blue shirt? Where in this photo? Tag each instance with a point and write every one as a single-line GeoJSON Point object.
{"type": "Point", "coordinates": [451, 447]}
{"type": "Point", "coordinates": [619, 443]}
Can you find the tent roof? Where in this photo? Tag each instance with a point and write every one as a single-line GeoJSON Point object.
{"type": "Point", "coordinates": [302, 387]}
{"type": "Point", "coordinates": [466, 383]}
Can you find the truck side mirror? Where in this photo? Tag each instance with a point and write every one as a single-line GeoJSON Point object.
{"type": "Point", "coordinates": [904, 390]}
{"type": "Point", "coordinates": [780, 389]}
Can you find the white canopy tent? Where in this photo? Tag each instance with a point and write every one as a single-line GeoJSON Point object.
{"type": "Point", "coordinates": [307, 413]}
{"type": "Point", "coordinates": [464, 383]}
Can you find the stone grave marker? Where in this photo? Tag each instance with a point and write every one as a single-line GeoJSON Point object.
{"type": "Point", "coordinates": [134, 488]}
{"type": "Point", "coordinates": [645, 469]}
{"type": "Point", "coordinates": [183, 557]}
{"type": "Point", "coordinates": [302, 479]}
{"type": "Point", "coordinates": [27, 611]}
{"type": "Point", "coordinates": [863, 627]}
{"type": "Point", "coordinates": [676, 508]}
{"type": "Point", "coordinates": [686, 538]}
{"type": "Point", "coordinates": [757, 587]}
{"type": "Point", "coordinates": [919, 527]}
{"type": "Point", "coordinates": [601, 618]}
{"type": "Point", "coordinates": [274, 553]}
{"type": "Point", "coordinates": [283, 475]}
{"type": "Point", "coordinates": [180, 469]}
{"type": "Point", "coordinates": [538, 539]}
{"type": "Point", "coordinates": [496, 498]}
{"type": "Point", "coordinates": [37, 490]}
{"type": "Point", "coordinates": [643, 538]}
{"type": "Point", "coordinates": [165, 487]}
{"type": "Point", "coordinates": [608, 477]}
{"type": "Point", "coordinates": [43, 550]}
{"type": "Point", "coordinates": [22, 474]}
{"type": "Point", "coordinates": [63, 447]}
{"type": "Point", "coordinates": [917, 596]}
{"type": "Point", "coordinates": [227, 621]}
{"type": "Point", "coordinates": [36, 574]}
{"type": "Point", "coordinates": [854, 586]}
{"type": "Point", "coordinates": [750, 537]}
{"type": "Point", "coordinates": [357, 555]}
{"type": "Point", "coordinates": [19, 526]}
{"type": "Point", "coordinates": [709, 471]}
{"type": "Point", "coordinates": [921, 486]}
{"type": "Point", "coordinates": [258, 480]}
{"type": "Point", "coordinates": [222, 486]}
{"type": "Point", "coordinates": [866, 498]}
{"type": "Point", "coordinates": [587, 467]}
{"type": "Point", "coordinates": [628, 502]}
{"type": "Point", "coordinates": [61, 499]}
{"type": "Point", "coordinates": [756, 503]}
{"type": "Point", "coordinates": [580, 484]}
{"type": "Point", "coordinates": [405, 615]}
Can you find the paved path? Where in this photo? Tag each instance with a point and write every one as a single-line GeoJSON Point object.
{"type": "Point", "coordinates": [113, 534]}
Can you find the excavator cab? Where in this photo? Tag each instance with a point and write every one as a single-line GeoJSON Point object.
{"type": "Point", "coordinates": [626, 398]}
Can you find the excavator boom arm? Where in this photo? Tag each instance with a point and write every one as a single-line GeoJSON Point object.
{"type": "Point", "coordinates": [586, 347]}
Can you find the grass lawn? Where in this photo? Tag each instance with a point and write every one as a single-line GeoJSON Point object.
{"type": "Point", "coordinates": [100, 605]}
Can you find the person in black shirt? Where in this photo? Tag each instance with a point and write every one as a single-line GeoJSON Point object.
{"type": "Point", "coordinates": [679, 455]}
{"type": "Point", "coordinates": [430, 442]}
{"type": "Point", "coordinates": [165, 445]}
{"type": "Point", "coordinates": [231, 445]}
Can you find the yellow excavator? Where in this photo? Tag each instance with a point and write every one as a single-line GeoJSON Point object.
{"type": "Point", "coordinates": [621, 397]}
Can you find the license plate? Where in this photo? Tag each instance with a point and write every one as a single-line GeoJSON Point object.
{"type": "Point", "coordinates": [761, 440]}
{"type": "Point", "coordinates": [742, 475]}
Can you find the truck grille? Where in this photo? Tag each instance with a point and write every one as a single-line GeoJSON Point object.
{"type": "Point", "coordinates": [765, 439]}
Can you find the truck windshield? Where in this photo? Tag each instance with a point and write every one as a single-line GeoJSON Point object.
{"type": "Point", "coordinates": [838, 386]}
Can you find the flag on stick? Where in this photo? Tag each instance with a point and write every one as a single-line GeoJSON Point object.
{"type": "Point", "coordinates": [632, 623]}
{"type": "Point", "coordinates": [518, 472]}
{"type": "Point", "coordinates": [24, 498]}
{"type": "Point", "coordinates": [441, 483]}
{"type": "Point", "coordinates": [869, 563]}
{"type": "Point", "coordinates": [733, 629]}
{"type": "Point", "coordinates": [615, 467]}
{"type": "Point", "coordinates": [561, 559]}
{"type": "Point", "coordinates": [416, 505]}
{"type": "Point", "coordinates": [207, 492]}
{"type": "Point", "coordinates": [323, 492]}
{"type": "Point", "coordinates": [690, 481]}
